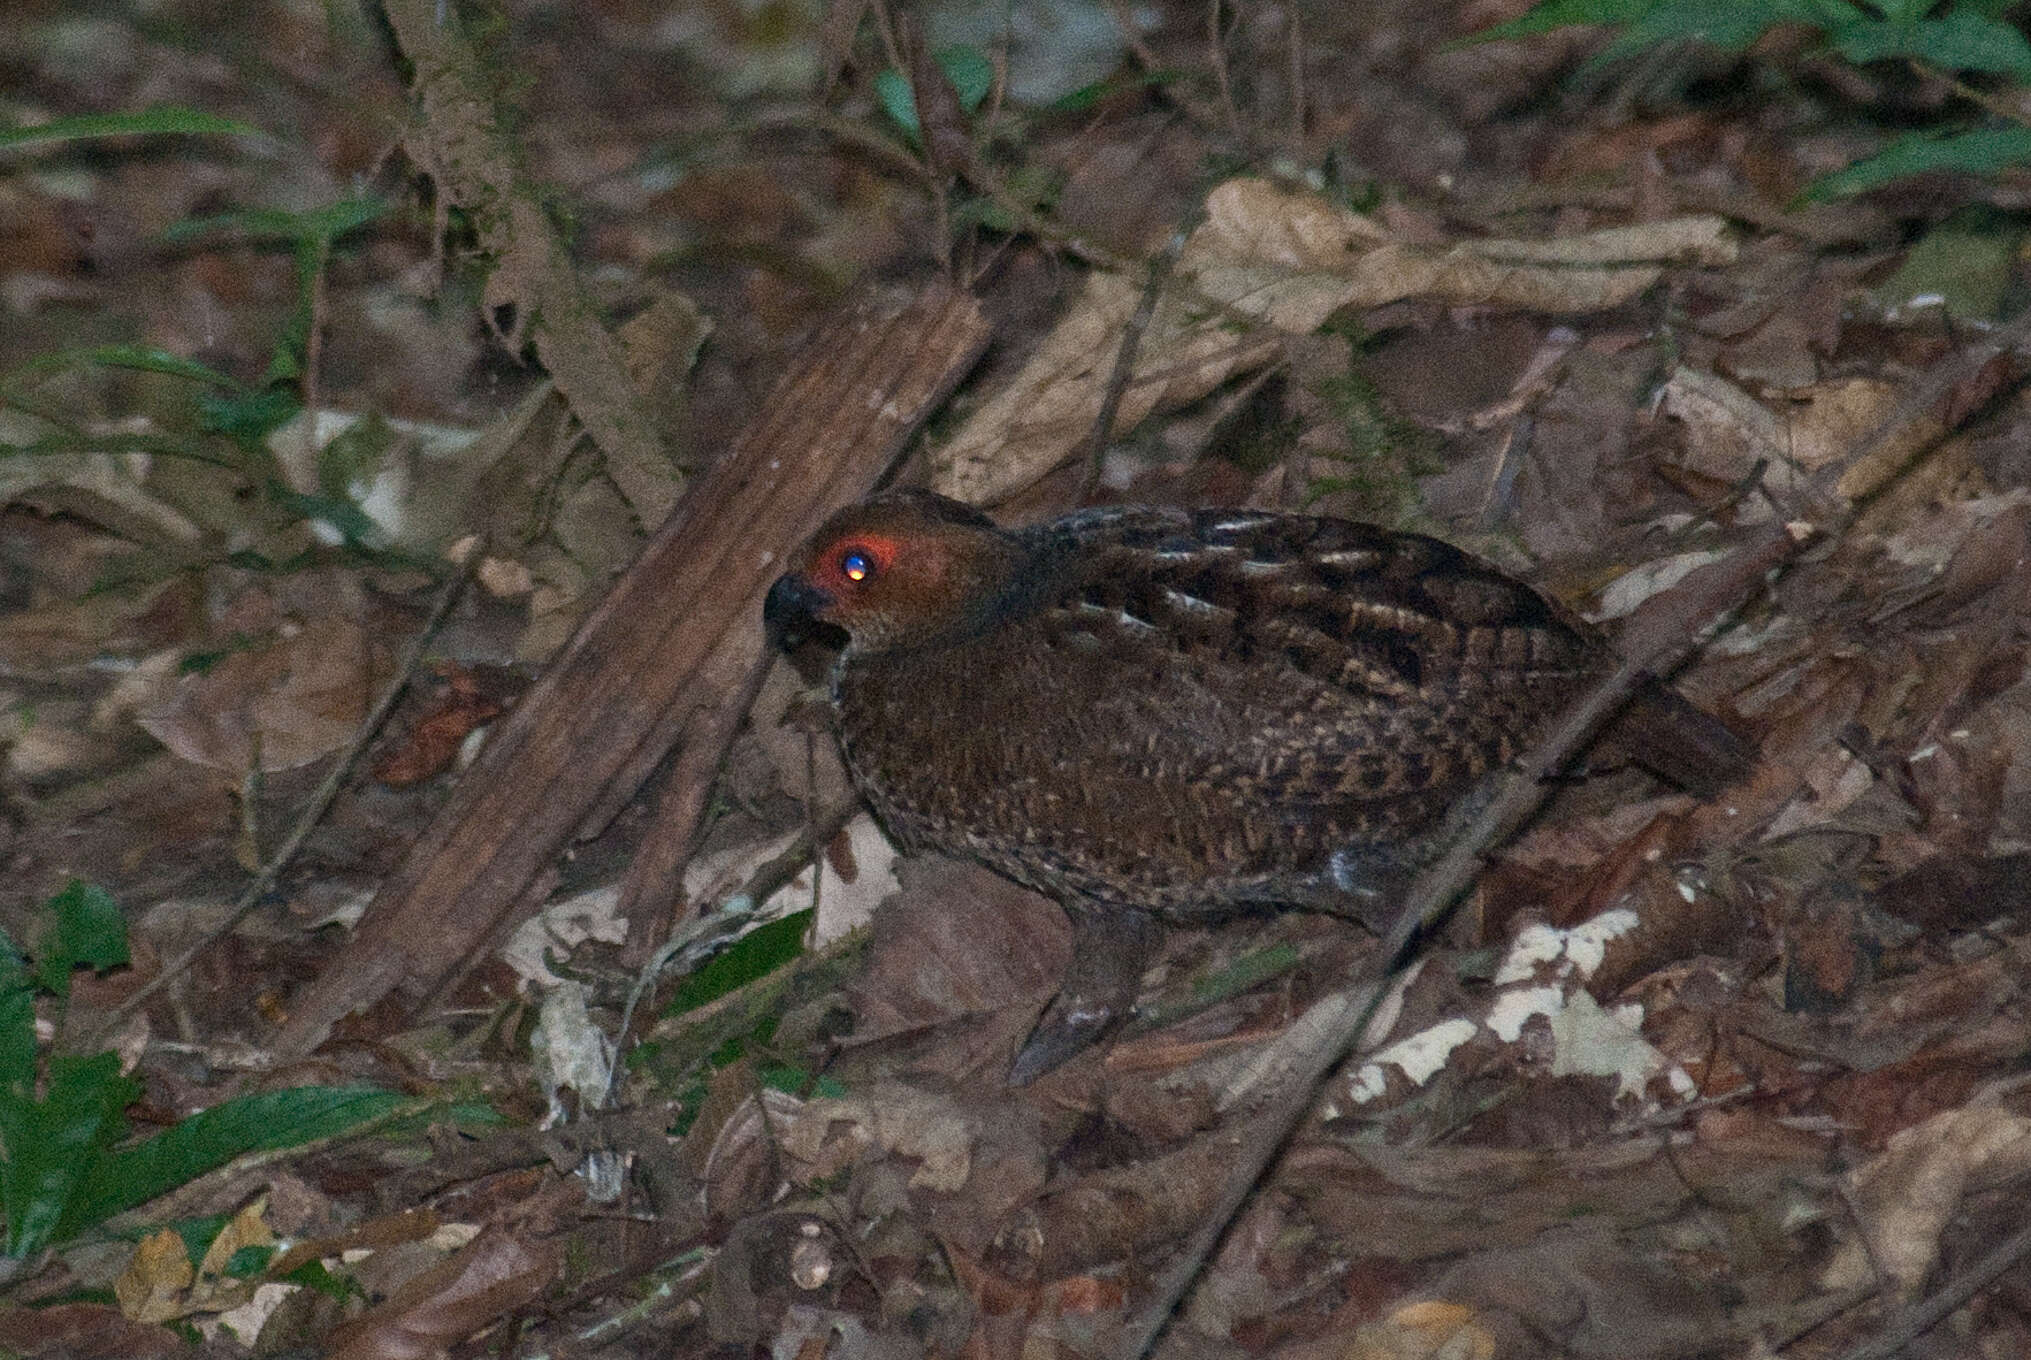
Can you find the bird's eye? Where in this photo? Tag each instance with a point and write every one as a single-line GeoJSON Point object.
{"type": "Point", "coordinates": [856, 565]}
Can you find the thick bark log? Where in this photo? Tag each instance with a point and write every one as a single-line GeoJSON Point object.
{"type": "Point", "coordinates": [664, 659]}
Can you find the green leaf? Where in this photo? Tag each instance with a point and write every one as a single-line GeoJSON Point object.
{"type": "Point", "coordinates": [759, 952]}
{"type": "Point", "coordinates": [205, 1141]}
{"type": "Point", "coordinates": [1728, 24]}
{"type": "Point", "coordinates": [969, 70]}
{"type": "Point", "coordinates": [1982, 152]}
{"type": "Point", "coordinates": [1965, 264]}
{"type": "Point", "coordinates": [1248, 971]}
{"type": "Point", "coordinates": [978, 209]}
{"type": "Point", "coordinates": [313, 1275]}
{"type": "Point", "coordinates": [355, 526]}
{"type": "Point", "coordinates": [17, 1037]}
{"type": "Point", "coordinates": [326, 224]}
{"type": "Point", "coordinates": [1897, 11]}
{"type": "Point", "coordinates": [1555, 14]}
{"type": "Point", "coordinates": [354, 456]}
{"type": "Point", "coordinates": [1732, 25]}
{"type": "Point", "coordinates": [84, 926]}
{"type": "Point", "coordinates": [1086, 96]}
{"type": "Point", "coordinates": [251, 414]}
{"type": "Point", "coordinates": [792, 1079]}
{"type": "Point", "coordinates": [1958, 42]}
{"type": "Point", "coordinates": [160, 120]}
{"type": "Point", "coordinates": [146, 358]}
{"type": "Point", "coordinates": [898, 101]}
{"type": "Point", "coordinates": [51, 1150]}
{"type": "Point", "coordinates": [248, 1262]}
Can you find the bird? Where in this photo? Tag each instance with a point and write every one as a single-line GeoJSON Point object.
{"type": "Point", "coordinates": [1156, 714]}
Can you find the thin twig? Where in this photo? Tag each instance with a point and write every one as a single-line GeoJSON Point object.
{"type": "Point", "coordinates": [313, 358]}
{"type": "Point", "coordinates": [1297, 79]}
{"type": "Point", "coordinates": [1914, 1321]}
{"type": "Point", "coordinates": [256, 891]}
{"type": "Point", "coordinates": [708, 930]}
{"type": "Point", "coordinates": [1216, 51]}
{"type": "Point", "coordinates": [1124, 357]}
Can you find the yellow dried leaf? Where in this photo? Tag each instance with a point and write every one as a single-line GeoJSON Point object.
{"type": "Point", "coordinates": [151, 1288]}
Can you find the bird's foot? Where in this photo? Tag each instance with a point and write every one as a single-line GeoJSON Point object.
{"type": "Point", "coordinates": [1111, 946]}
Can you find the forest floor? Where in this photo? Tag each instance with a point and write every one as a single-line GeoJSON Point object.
{"type": "Point", "coordinates": [364, 349]}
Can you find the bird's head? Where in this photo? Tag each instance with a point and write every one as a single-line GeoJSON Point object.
{"type": "Point", "coordinates": [903, 570]}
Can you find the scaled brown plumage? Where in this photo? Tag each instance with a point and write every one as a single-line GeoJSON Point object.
{"type": "Point", "coordinates": [1189, 711]}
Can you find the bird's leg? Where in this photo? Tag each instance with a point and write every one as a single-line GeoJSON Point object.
{"type": "Point", "coordinates": [1111, 946]}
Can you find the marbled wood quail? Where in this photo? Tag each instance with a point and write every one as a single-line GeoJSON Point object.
{"type": "Point", "coordinates": [1137, 709]}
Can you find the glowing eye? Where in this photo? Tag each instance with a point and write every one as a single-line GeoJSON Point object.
{"type": "Point", "coordinates": [856, 565]}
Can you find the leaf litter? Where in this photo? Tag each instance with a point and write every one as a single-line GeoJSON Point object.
{"type": "Point", "coordinates": [1682, 1079]}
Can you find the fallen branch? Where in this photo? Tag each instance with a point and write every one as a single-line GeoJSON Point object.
{"type": "Point", "coordinates": [532, 293]}
{"type": "Point", "coordinates": [662, 661]}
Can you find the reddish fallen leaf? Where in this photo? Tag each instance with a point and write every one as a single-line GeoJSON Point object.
{"type": "Point", "coordinates": [461, 705]}
{"type": "Point", "coordinates": [1014, 1314]}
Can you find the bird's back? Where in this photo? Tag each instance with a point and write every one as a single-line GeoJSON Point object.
{"type": "Point", "coordinates": [1196, 710]}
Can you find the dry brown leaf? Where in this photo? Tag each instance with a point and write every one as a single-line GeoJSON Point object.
{"type": "Point", "coordinates": [1292, 259]}
{"type": "Point", "coordinates": [830, 1135]}
{"type": "Point", "coordinates": [1039, 419]}
{"type": "Point", "coordinates": [159, 1284]}
{"type": "Point", "coordinates": [386, 1230]}
{"type": "Point", "coordinates": [732, 1144]}
{"type": "Point", "coordinates": [1589, 1288]}
{"type": "Point", "coordinates": [108, 489]}
{"type": "Point", "coordinates": [44, 639]}
{"type": "Point", "coordinates": [958, 940]}
{"type": "Point", "coordinates": [806, 758]}
{"type": "Point", "coordinates": [300, 697]}
{"type": "Point", "coordinates": [460, 701]}
{"type": "Point", "coordinates": [662, 342]}
{"type": "Point", "coordinates": [1832, 418]}
{"type": "Point", "coordinates": [1285, 259]}
{"type": "Point", "coordinates": [451, 1301]}
{"type": "Point", "coordinates": [1427, 1330]}
{"type": "Point", "coordinates": [1727, 432]}
{"type": "Point", "coordinates": [1907, 1194]}
{"type": "Point", "coordinates": [151, 1288]}
{"type": "Point", "coordinates": [83, 1331]}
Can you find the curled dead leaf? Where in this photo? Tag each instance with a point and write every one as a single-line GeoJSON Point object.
{"type": "Point", "coordinates": [1270, 261]}
{"type": "Point", "coordinates": [1906, 1195]}
{"type": "Point", "coordinates": [297, 698]}
{"type": "Point", "coordinates": [452, 1300]}
{"type": "Point", "coordinates": [829, 1135]}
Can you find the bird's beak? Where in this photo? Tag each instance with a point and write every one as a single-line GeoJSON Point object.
{"type": "Point", "coordinates": [791, 612]}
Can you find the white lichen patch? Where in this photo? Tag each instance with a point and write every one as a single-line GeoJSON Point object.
{"type": "Point", "coordinates": [1420, 1057]}
{"type": "Point", "coordinates": [1587, 1040]}
{"type": "Point", "coordinates": [1541, 977]}
{"type": "Point", "coordinates": [1575, 952]}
